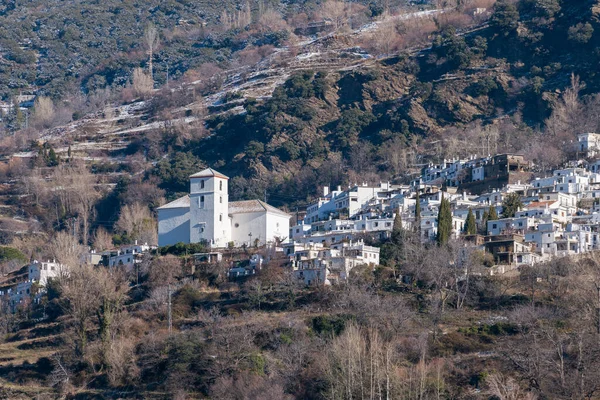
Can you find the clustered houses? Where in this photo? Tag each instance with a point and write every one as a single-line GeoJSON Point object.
{"type": "Point", "coordinates": [558, 214]}
{"type": "Point", "coordinates": [22, 287]}
{"type": "Point", "coordinates": [320, 263]}
{"type": "Point", "coordinates": [29, 286]}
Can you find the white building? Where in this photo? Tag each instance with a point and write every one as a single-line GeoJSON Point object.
{"type": "Point", "coordinates": [589, 143]}
{"type": "Point", "coordinates": [38, 273]}
{"type": "Point", "coordinates": [317, 264]}
{"type": "Point", "coordinates": [207, 215]}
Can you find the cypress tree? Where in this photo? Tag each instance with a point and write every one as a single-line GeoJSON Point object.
{"type": "Point", "coordinates": [492, 214]}
{"type": "Point", "coordinates": [418, 211]}
{"type": "Point", "coordinates": [397, 229]}
{"type": "Point", "coordinates": [485, 220]}
{"type": "Point", "coordinates": [18, 114]}
{"type": "Point", "coordinates": [53, 159]}
{"type": "Point", "coordinates": [470, 225]}
{"type": "Point", "coordinates": [444, 222]}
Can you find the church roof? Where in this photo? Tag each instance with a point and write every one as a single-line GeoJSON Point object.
{"type": "Point", "coordinates": [182, 202]}
{"type": "Point", "coordinates": [250, 206]}
{"type": "Point", "coordinates": [207, 173]}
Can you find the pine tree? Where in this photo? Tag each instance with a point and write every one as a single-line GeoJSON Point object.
{"type": "Point", "coordinates": [470, 225]}
{"type": "Point", "coordinates": [444, 222]}
{"type": "Point", "coordinates": [511, 204]}
{"type": "Point", "coordinates": [52, 158]}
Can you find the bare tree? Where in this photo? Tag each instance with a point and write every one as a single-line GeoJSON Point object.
{"type": "Point", "coordinates": [102, 240]}
{"type": "Point", "coordinates": [138, 223]}
{"type": "Point", "coordinates": [43, 112]}
{"type": "Point", "coordinates": [142, 83]}
{"type": "Point", "coordinates": [164, 270]}
{"type": "Point", "coordinates": [151, 39]}
{"type": "Point", "coordinates": [90, 292]}
{"type": "Point", "coordinates": [507, 388]}
{"type": "Point", "coordinates": [76, 194]}
{"type": "Point", "coordinates": [337, 11]}
{"type": "Point", "coordinates": [67, 250]}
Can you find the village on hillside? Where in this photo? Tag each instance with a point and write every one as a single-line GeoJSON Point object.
{"type": "Point", "coordinates": [496, 207]}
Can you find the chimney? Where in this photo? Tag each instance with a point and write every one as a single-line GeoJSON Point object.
{"type": "Point", "coordinates": [339, 188]}
{"type": "Point", "coordinates": [325, 191]}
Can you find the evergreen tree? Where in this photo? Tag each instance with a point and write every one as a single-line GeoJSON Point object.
{"type": "Point", "coordinates": [492, 214]}
{"type": "Point", "coordinates": [511, 204]}
{"type": "Point", "coordinates": [397, 229]}
{"type": "Point", "coordinates": [485, 220]}
{"type": "Point", "coordinates": [444, 222]}
{"type": "Point", "coordinates": [52, 158]}
{"type": "Point", "coordinates": [471, 225]}
{"type": "Point", "coordinates": [18, 114]}
{"type": "Point", "coordinates": [418, 212]}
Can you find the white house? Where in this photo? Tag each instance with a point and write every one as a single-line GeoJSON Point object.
{"type": "Point", "coordinates": [37, 273]}
{"type": "Point", "coordinates": [317, 264]}
{"type": "Point", "coordinates": [207, 215]}
{"type": "Point", "coordinates": [589, 143]}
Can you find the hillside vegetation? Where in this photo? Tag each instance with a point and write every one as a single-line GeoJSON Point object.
{"type": "Point", "coordinates": [375, 96]}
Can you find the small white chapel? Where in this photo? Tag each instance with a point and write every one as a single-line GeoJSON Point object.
{"type": "Point", "coordinates": [206, 215]}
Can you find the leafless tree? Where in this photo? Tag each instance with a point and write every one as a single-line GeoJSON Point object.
{"type": "Point", "coordinates": [151, 39]}
{"type": "Point", "coordinates": [142, 83]}
{"type": "Point", "coordinates": [139, 224]}
{"type": "Point", "coordinates": [102, 240]}
{"type": "Point", "coordinates": [164, 270]}
{"type": "Point", "coordinates": [507, 388]}
{"type": "Point", "coordinates": [337, 11]}
{"type": "Point", "coordinates": [66, 249]}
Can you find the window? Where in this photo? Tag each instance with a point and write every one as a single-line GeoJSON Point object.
{"type": "Point", "coordinates": [220, 185]}
{"type": "Point", "coordinates": [494, 226]}
{"type": "Point", "coordinates": [201, 202]}
{"type": "Point", "coordinates": [237, 225]}
{"type": "Point", "coordinates": [220, 217]}
{"type": "Point", "coordinates": [201, 229]}
{"type": "Point", "coordinates": [202, 184]}
{"type": "Point", "coordinates": [221, 199]}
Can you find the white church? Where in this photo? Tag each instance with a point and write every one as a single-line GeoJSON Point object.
{"type": "Point", "coordinates": [206, 215]}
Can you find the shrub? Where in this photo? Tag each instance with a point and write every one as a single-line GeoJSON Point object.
{"type": "Point", "coordinates": [181, 249]}
{"type": "Point", "coordinates": [329, 325]}
{"type": "Point", "coordinates": [10, 253]}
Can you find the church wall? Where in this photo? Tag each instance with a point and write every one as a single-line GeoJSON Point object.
{"type": "Point", "coordinates": [173, 226]}
{"type": "Point", "coordinates": [254, 223]}
{"type": "Point", "coordinates": [277, 226]}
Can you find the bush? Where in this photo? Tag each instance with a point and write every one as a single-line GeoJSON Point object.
{"type": "Point", "coordinates": [330, 325]}
{"type": "Point", "coordinates": [182, 249]}
{"type": "Point", "coordinates": [10, 253]}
